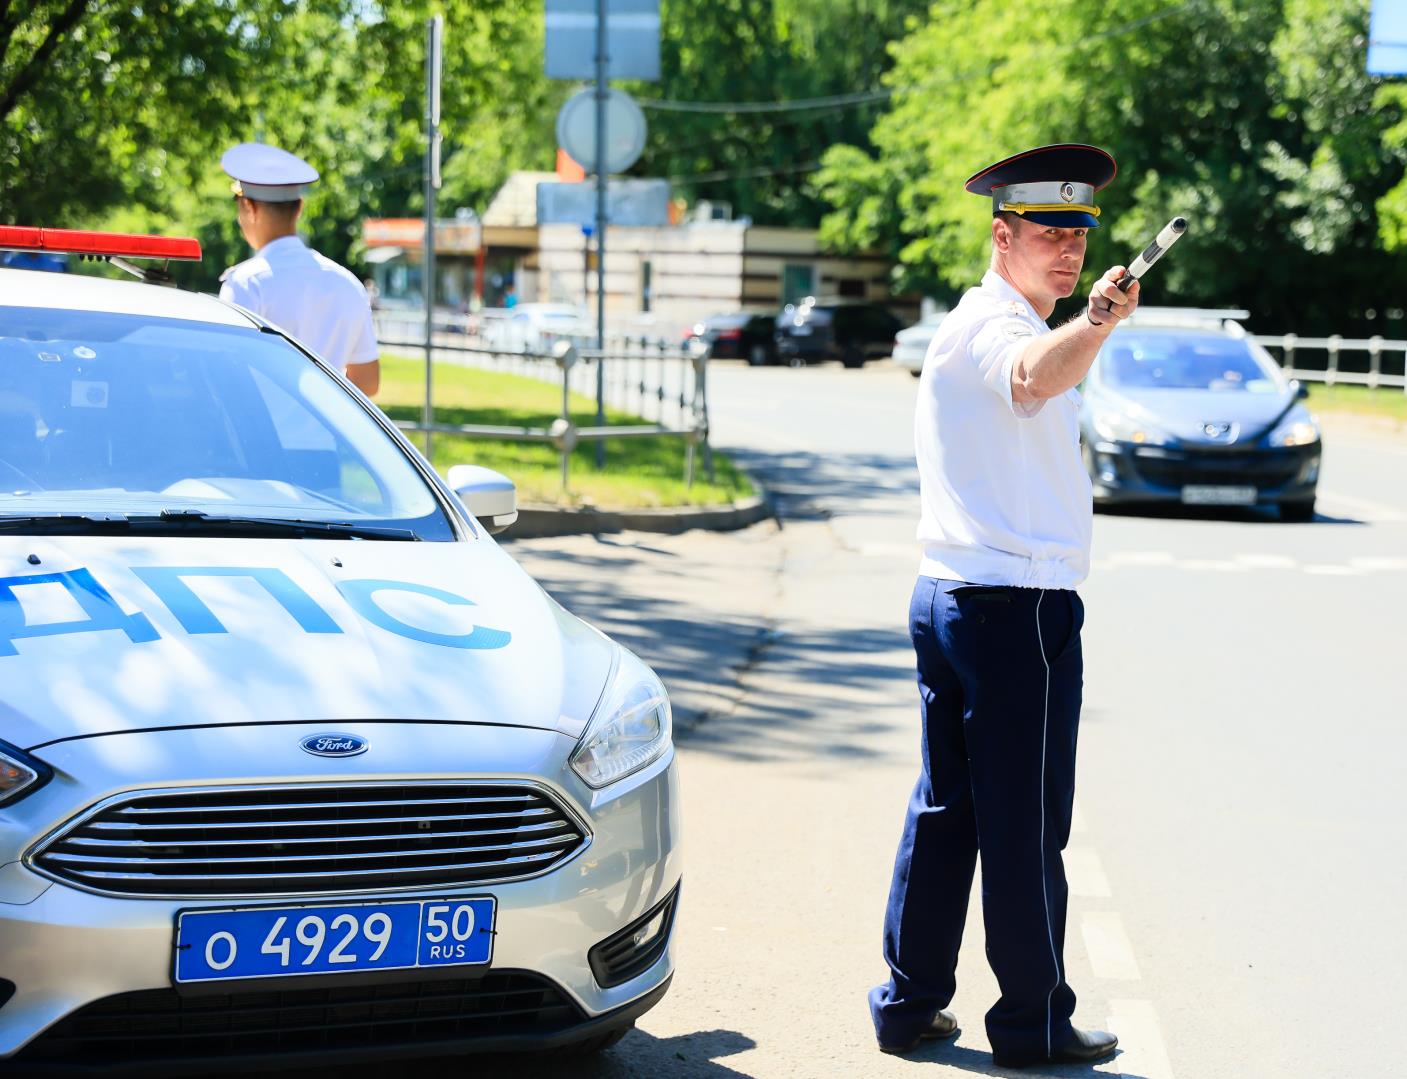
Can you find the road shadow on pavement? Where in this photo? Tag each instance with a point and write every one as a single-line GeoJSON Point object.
{"type": "Point", "coordinates": [695, 608]}
{"type": "Point", "coordinates": [813, 486]}
{"type": "Point", "coordinates": [979, 1062]}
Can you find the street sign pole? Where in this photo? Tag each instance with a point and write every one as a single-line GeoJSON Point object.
{"type": "Point", "coordinates": [434, 52]}
{"type": "Point", "coordinates": [602, 63]}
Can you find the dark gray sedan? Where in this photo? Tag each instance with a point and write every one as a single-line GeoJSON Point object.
{"type": "Point", "coordinates": [1186, 410]}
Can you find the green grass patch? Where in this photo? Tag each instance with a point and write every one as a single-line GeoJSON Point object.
{"type": "Point", "coordinates": [1387, 402]}
{"type": "Point", "coordinates": [639, 472]}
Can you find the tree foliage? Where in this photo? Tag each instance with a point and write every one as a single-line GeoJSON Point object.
{"type": "Point", "coordinates": [1253, 118]}
{"type": "Point", "coordinates": [717, 52]}
{"type": "Point", "coordinates": [115, 113]}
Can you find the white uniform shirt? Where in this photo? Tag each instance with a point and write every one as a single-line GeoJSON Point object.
{"type": "Point", "coordinates": [315, 300]}
{"type": "Point", "coordinates": [1005, 496]}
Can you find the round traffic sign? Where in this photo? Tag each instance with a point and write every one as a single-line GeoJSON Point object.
{"type": "Point", "coordinates": [625, 130]}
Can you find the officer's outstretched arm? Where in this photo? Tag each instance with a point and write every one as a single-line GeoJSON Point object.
{"type": "Point", "coordinates": [1057, 362]}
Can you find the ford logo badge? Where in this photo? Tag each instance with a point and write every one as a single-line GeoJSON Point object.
{"type": "Point", "coordinates": [334, 745]}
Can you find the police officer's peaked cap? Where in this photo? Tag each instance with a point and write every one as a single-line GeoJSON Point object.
{"type": "Point", "coordinates": [1050, 185]}
{"type": "Point", "coordinates": [266, 173]}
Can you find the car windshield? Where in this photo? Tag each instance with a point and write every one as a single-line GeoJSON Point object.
{"type": "Point", "coordinates": [120, 415]}
{"type": "Point", "coordinates": [1186, 361]}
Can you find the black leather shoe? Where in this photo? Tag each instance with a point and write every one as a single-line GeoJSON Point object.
{"type": "Point", "coordinates": [1085, 1047]}
{"type": "Point", "coordinates": [944, 1025]}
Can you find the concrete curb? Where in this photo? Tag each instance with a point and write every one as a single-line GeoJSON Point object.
{"type": "Point", "coordinates": [536, 521]}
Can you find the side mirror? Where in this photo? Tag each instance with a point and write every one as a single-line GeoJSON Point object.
{"type": "Point", "coordinates": [489, 496]}
{"type": "Point", "coordinates": [1301, 390]}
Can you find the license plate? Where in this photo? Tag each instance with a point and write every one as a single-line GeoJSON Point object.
{"type": "Point", "coordinates": [1219, 496]}
{"type": "Point", "coordinates": [263, 942]}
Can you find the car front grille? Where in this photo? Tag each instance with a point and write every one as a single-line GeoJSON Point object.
{"type": "Point", "coordinates": [271, 841]}
{"type": "Point", "coordinates": [161, 1024]}
{"type": "Point", "coordinates": [1184, 468]}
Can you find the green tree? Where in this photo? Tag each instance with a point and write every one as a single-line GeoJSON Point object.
{"type": "Point", "coordinates": [1250, 117]}
{"type": "Point", "coordinates": [715, 52]}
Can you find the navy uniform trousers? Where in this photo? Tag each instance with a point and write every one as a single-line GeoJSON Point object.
{"type": "Point", "coordinates": [1000, 674]}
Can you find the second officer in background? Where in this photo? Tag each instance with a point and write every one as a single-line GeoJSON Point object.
{"type": "Point", "coordinates": [318, 302]}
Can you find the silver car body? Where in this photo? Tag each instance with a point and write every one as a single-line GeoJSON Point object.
{"type": "Point", "coordinates": [114, 711]}
{"type": "Point", "coordinates": [911, 343]}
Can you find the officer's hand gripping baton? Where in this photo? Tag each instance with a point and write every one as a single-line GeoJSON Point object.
{"type": "Point", "coordinates": [1171, 233]}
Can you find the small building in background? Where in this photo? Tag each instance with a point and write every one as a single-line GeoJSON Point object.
{"type": "Point", "coordinates": [659, 278]}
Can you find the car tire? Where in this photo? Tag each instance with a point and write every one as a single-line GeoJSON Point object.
{"type": "Point", "coordinates": [1297, 512]}
{"type": "Point", "coordinates": [796, 361]}
{"type": "Point", "coordinates": [590, 1046]}
{"type": "Point", "coordinates": [759, 356]}
{"type": "Point", "coordinates": [916, 374]}
{"type": "Point", "coordinates": [852, 357]}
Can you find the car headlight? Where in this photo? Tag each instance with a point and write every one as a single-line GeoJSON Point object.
{"type": "Point", "coordinates": [20, 774]}
{"type": "Point", "coordinates": [1118, 427]}
{"type": "Point", "coordinates": [1296, 429]}
{"type": "Point", "coordinates": [631, 727]}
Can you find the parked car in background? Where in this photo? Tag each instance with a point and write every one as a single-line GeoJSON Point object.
{"type": "Point", "coordinates": [911, 343]}
{"type": "Point", "coordinates": [533, 327]}
{"type": "Point", "coordinates": [1181, 406]}
{"type": "Point", "coordinates": [737, 336]}
{"type": "Point", "coordinates": [815, 330]}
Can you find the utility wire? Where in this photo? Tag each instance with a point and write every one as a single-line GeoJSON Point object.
{"type": "Point", "coordinates": [744, 174]}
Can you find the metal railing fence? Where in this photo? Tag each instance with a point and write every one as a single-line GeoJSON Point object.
{"type": "Point", "coordinates": [663, 384]}
{"type": "Point", "coordinates": [1371, 361]}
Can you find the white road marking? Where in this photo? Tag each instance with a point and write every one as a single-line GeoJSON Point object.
{"type": "Point", "coordinates": [1084, 873]}
{"type": "Point", "coordinates": [1143, 558]}
{"type": "Point", "coordinates": [1363, 508]}
{"type": "Point", "coordinates": [1371, 563]}
{"type": "Point", "coordinates": [1077, 820]}
{"type": "Point", "coordinates": [1218, 565]}
{"type": "Point", "coordinates": [1106, 943]}
{"type": "Point", "coordinates": [1141, 1050]}
{"type": "Point", "coordinates": [1266, 561]}
{"type": "Point", "coordinates": [1330, 570]}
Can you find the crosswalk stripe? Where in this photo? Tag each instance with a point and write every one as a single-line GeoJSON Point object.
{"type": "Point", "coordinates": [1141, 1049]}
{"type": "Point", "coordinates": [1084, 874]}
{"type": "Point", "coordinates": [1108, 947]}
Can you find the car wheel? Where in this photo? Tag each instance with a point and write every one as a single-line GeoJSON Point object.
{"type": "Point", "coordinates": [916, 374]}
{"type": "Point", "coordinates": [796, 361]}
{"type": "Point", "coordinates": [1297, 512]}
{"type": "Point", "coordinates": [852, 357]}
{"type": "Point", "coordinates": [590, 1046]}
{"type": "Point", "coordinates": [758, 356]}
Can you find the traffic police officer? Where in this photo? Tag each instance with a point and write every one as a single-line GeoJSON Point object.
{"type": "Point", "coordinates": [316, 301]}
{"type": "Point", "coordinates": [995, 621]}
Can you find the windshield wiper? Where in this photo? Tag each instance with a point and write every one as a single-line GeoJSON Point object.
{"type": "Point", "coordinates": [48, 524]}
{"type": "Point", "coordinates": [173, 522]}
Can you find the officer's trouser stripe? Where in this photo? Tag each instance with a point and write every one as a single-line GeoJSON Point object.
{"type": "Point", "coordinates": [1045, 890]}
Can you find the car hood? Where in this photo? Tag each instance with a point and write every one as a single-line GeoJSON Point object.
{"type": "Point", "coordinates": [1184, 413]}
{"type": "Point", "coordinates": [101, 635]}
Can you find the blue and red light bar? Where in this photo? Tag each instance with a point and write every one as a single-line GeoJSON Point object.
{"type": "Point", "coordinates": [98, 244]}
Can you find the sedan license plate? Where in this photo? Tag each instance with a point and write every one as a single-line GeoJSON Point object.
{"type": "Point", "coordinates": [262, 942]}
{"type": "Point", "coordinates": [1218, 496]}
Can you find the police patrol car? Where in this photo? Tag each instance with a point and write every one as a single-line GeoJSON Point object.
{"type": "Point", "coordinates": [294, 759]}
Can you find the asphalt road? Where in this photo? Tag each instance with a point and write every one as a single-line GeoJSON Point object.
{"type": "Point", "coordinates": [1236, 870]}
